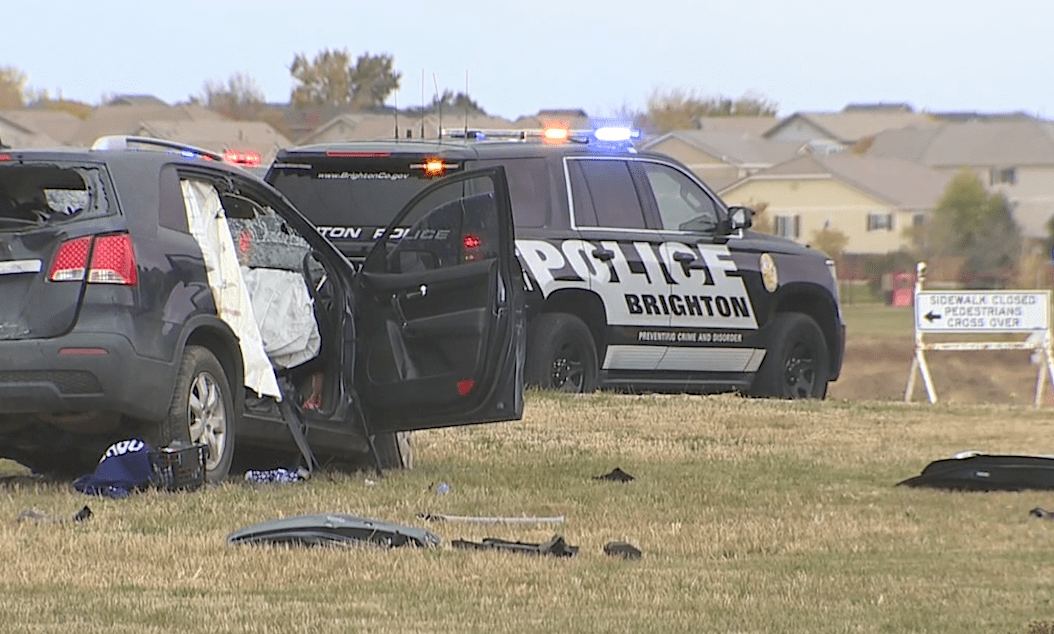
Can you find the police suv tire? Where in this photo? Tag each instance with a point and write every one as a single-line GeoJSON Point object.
{"type": "Point", "coordinates": [202, 411]}
{"type": "Point", "coordinates": [796, 364]}
{"type": "Point", "coordinates": [394, 450]}
{"type": "Point", "coordinates": [562, 355]}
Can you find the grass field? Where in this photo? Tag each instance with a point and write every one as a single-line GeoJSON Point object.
{"type": "Point", "coordinates": [752, 515]}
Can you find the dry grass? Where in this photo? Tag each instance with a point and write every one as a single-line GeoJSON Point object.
{"type": "Point", "coordinates": [753, 516]}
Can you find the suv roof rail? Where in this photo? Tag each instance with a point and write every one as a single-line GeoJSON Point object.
{"type": "Point", "coordinates": [125, 142]}
{"type": "Point", "coordinates": [478, 134]}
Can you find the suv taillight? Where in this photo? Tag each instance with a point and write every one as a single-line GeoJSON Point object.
{"type": "Point", "coordinates": [112, 261]}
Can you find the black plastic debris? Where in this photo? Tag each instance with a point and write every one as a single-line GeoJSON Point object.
{"type": "Point", "coordinates": [333, 529]}
{"type": "Point", "coordinates": [556, 546]}
{"type": "Point", "coordinates": [986, 472]}
{"type": "Point", "coordinates": [1042, 514]}
{"type": "Point", "coordinates": [625, 550]}
{"type": "Point", "coordinates": [33, 515]}
{"type": "Point", "coordinates": [616, 475]}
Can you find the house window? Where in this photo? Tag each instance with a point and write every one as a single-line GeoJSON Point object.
{"type": "Point", "coordinates": [788, 226]}
{"type": "Point", "coordinates": [879, 222]}
{"type": "Point", "coordinates": [1002, 176]}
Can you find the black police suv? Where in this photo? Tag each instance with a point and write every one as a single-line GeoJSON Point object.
{"type": "Point", "coordinates": [638, 275]}
{"type": "Point", "coordinates": [150, 290]}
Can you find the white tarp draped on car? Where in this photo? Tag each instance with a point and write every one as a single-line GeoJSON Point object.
{"type": "Point", "coordinates": [208, 225]}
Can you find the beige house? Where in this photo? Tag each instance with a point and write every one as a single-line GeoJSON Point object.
{"type": "Point", "coordinates": [872, 201]}
{"type": "Point", "coordinates": [37, 128]}
{"type": "Point", "coordinates": [721, 157]}
{"type": "Point", "coordinates": [127, 119]}
{"type": "Point", "coordinates": [366, 126]}
{"type": "Point", "coordinates": [219, 136]}
{"type": "Point", "coordinates": [1014, 156]}
{"type": "Point", "coordinates": [833, 132]}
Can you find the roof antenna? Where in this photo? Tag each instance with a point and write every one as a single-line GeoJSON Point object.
{"type": "Point", "coordinates": [439, 106]}
{"type": "Point", "coordinates": [466, 103]}
{"type": "Point", "coordinates": [396, 116]}
{"type": "Point", "coordinates": [423, 107]}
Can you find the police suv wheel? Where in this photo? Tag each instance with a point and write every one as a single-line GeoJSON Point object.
{"type": "Point", "coordinates": [202, 410]}
{"type": "Point", "coordinates": [562, 355]}
{"type": "Point", "coordinates": [796, 364]}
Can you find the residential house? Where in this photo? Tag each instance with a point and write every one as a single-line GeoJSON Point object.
{"type": "Point", "coordinates": [832, 132]}
{"type": "Point", "coordinates": [111, 120]}
{"type": "Point", "coordinates": [1013, 155]}
{"type": "Point", "coordinates": [363, 126]}
{"type": "Point", "coordinates": [721, 157]}
{"type": "Point", "coordinates": [750, 125]}
{"type": "Point", "coordinates": [219, 136]}
{"type": "Point", "coordinates": [872, 201]}
{"type": "Point", "coordinates": [37, 127]}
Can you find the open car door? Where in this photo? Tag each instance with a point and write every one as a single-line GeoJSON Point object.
{"type": "Point", "coordinates": [440, 319]}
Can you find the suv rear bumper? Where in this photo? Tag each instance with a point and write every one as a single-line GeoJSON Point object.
{"type": "Point", "coordinates": [83, 372]}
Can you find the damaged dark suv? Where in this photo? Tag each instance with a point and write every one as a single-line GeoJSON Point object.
{"type": "Point", "coordinates": [151, 290]}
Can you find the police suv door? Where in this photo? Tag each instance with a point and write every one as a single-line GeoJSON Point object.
{"type": "Point", "coordinates": [440, 319]}
{"type": "Point", "coordinates": [712, 317]}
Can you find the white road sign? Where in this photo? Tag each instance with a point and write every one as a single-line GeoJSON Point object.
{"type": "Point", "coordinates": [982, 311]}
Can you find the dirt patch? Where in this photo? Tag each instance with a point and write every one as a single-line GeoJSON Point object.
{"type": "Point", "coordinates": [878, 369]}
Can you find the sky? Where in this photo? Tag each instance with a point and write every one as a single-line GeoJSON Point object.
{"type": "Point", "coordinates": [516, 58]}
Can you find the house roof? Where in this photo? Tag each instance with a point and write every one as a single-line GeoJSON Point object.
{"type": "Point", "coordinates": [219, 135]}
{"type": "Point", "coordinates": [135, 100]}
{"type": "Point", "coordinates": [368, 126]}
{"type": "Point", "coordinates": [749, 125]}
{"type": "Point", "coordinates": [736, 148]}
{"type": "Point", "coordinates": [899, 183]}
{"type": "Point", "coordinates": [58, 125]}
{"type": "Point", "coordinates": [993, 142]}
{"type": "Point", "coordinates": [851, 126]}
{"type": "Point", "coordinates": [106, 120]}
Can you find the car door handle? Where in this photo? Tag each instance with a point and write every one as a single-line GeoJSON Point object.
{"type": "Point", "coordinates": [690, 260]}
{"type": "Point", "coordinates": [603, 254]}
{"type": "Point", "coordinates": [422, 291]}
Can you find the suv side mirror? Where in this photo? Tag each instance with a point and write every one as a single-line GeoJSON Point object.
{"type": "Point", "coordinates": [740, 218]}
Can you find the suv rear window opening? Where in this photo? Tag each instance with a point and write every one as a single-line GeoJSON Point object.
{"type": "Point", "coordinates": [44, 194]}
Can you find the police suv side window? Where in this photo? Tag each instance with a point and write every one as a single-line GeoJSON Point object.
{"type": "Point", "coordinates": [682, 204]}
{"type": "Point", "coordinates": [603, 194]}
{"type": "Point", "coordinates": [528, 188]}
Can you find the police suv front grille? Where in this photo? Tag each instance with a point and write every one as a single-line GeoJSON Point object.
{"type": "Point", "coordinates": [67, 381]}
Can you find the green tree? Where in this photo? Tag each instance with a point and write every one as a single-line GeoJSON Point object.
{"type": "Point", "coordinates": [830, 241]}
{"type": "Point", "coordinates": [971, 223]}
{"type": "Point", "coordinates": [331, 79]}
{"type": "Point", "coordinates": [13, 90]}
{"type": "Point", "coordinates": [240, 97]}
{"type": "Point", "coordinates": [679, 109]}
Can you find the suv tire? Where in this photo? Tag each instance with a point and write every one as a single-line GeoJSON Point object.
{"type": "Point", "coordinates": [202, 411]}
{"type": "Point", "coordinates": [797, 364]}
{"type": "Point", "coordinates": [562, 355]}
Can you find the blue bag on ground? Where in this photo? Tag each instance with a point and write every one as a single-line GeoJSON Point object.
{"type": "Point", "coordinates": [125, 467]}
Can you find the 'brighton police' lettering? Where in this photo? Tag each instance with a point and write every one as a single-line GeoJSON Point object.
{"type": "Point", "coordinates": [644, 283]}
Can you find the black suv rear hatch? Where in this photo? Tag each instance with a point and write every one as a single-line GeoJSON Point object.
{"type": "Point", "coordinates": [351, 195]}
{"type": "Point", "coordinates": [44, 261]}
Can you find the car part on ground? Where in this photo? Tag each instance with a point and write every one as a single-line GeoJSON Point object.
{"type": "Point", "coordinates": [333, 529]}
{"type": "Point", "coordinates": [556, 547]}
{"type": "Point", "coordinates": [972, 471]}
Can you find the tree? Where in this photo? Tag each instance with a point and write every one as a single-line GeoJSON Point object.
{"type": "Point", "coordinates": [13, 90]}
{"type": "Point", "coordinates": [331, 79]}
{"type": "Point", "coordinates": [679, 110]}
{"type": "Point", "coordinates": [830, 241]}
{"type": "Point", "coordinates": [969, 222]}
{"type": "Point", "coordinates": [239, 98]}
